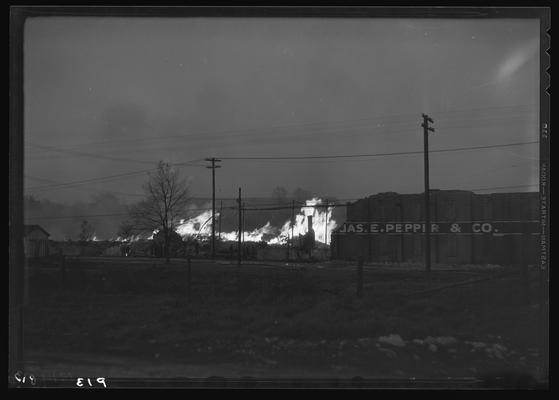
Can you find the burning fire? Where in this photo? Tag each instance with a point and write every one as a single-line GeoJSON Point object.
{"type": "Point", "coordinates": [322, 225]}
{"type": "Point", "coordinates": [199, 225]}
{"type": "Point", "coordinates": [322, 222]}
{"type": "Point", "coordinates": [134, 238]}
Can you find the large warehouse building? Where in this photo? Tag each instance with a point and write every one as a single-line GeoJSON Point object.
{"type": "Point", "coordinates": [467, 228]}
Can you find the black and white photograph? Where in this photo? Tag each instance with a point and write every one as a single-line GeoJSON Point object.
{"type": "Point", "coordinates": [266, 197]}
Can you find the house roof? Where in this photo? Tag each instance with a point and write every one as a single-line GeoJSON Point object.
{"type": "Point", "coordinates": [30, 228]}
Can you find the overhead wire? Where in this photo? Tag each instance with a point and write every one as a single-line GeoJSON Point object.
{"type": "Point", "coordinates": [229, 132]}
{"type": "Point", "coordinates": [377, 154]}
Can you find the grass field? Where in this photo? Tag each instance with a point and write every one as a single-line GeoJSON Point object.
{"type": "Point", "coordinates": [132, 318]}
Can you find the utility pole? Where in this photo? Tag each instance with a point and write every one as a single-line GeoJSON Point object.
{"type": "Point", "coordinates": [213, 167]}
{"type": "Point", "coordinates": [426, 129]}
{"type": "Point", "coordinates": [220, 216]}
{"type": "Point", "coordinates": [292, 226]}
{"type": "Point", "coordinates": [243, 222]}
{"type": "Point", "coordinates": [326, 224]}
{"type": "Point", "coordinates": [240, 230]}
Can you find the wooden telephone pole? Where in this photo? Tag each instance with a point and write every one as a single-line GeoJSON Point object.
{"type": "Point", "coordinates": [326, 224]}
{"type": "Point", "coordinates": [220, 217]}
{"type": "Point", "coordinates": [213, 167]}
{"type": "Point", "coordinates": [426, 129]}
{"type": "Point", "coordinates": [291, 243]}
{"type": "Point", "coordinates": [240, 230]}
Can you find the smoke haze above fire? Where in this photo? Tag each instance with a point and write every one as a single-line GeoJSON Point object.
{"type": "Point", "coordinates": [109, 96]}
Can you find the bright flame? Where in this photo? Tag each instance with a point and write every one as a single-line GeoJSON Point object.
{"type": "Point", "coordinates": [198, 225]}
{"type": "Point", "coordinates": [131, 238]}
{"type": "Point", "coordinates": [153, 234]}
{"type": "Point", "coordinates": [322, 224]}
{"type": "Point", "coordinates": [257, 234]}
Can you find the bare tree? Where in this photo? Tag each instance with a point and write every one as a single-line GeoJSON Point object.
{"type": "Point", "coordinates": [87, 232]}
{"type": "Point", "coordinates": [165, 203]}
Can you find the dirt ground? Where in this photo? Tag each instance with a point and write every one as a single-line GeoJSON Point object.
{"type": "Point", "coordinates": [126, 318]}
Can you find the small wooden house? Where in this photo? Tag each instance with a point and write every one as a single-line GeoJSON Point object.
{"type": "Point", "coordinates": [35, 241]}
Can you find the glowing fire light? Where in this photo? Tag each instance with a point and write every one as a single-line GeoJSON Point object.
{"type": "Point", "coordinates": [131, 238]}
{"type": "Point", "coordinates": [322, 225]}
{"type": "Point", "coordinates": [198, 225]}
{"type": "Point", "coordinates": [322, 222]}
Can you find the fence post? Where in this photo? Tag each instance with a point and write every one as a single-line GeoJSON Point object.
{"type": "Point", "coordinates": [360, 277]}
{"type": "Point", "coordinates": [188, 279]}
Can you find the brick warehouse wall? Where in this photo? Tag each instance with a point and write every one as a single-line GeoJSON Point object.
{"type": "Point", "coordinates": [446, 206]}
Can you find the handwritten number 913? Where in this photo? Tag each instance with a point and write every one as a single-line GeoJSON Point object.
{"type": "Point", "coordinates": [81, 382]}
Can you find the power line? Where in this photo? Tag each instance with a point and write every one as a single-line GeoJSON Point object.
{"type": "Point", "coordinates": [302, 125]}
{"type": "Point", "coordinates": [90, 189]}
{"type": "Point", "coordinates": [380, 154]}
{"type": "Point", "coordinates": [110, 177]}
{"type": "Point", "coordinates": [84, 181]}
{"type": "Point", "coordinates": [353, 131]}
{"type": "Point", "coordinates": [309, 135]}
{"type": "Point", "coordinates": [81, 182]}
{"type": "Point", "coordinates": [90, 155]}
{"type": "Point", "coordinates": [337, 133]}
{"type": "Point", "coordinates": [306, 135]}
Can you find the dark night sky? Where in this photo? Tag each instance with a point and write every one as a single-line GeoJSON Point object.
{"type": "Point", "coordinates": [107, 96]}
